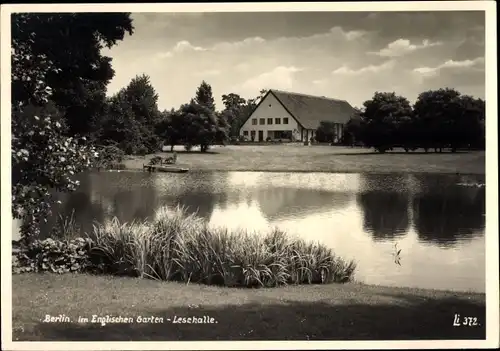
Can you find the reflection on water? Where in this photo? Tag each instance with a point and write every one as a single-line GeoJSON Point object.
{"type": "Point", "coordinates": [445, 213]}
{"type": "Point", "coordinates": [384, 201]}
{"type": "Point", "coordinates": [438, 224]}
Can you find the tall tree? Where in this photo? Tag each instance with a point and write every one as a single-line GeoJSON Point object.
{"type": "Point", "coordinates": [65, 51]}
{"type": "Point", "coordinates": [204, 96]}
{"type": "Point", "coordinates": [202, 125]}
{"type": "Point", "coordinates": [172, 128]}
{"type": "Point", "coordinates": [381, 119]}
{"type": "Point", "coordinates": [132, 117]}
{"type": "Point", "coordinates": [234, 112]}
{"type": "Point", "coordinates": [120, 126]}
{"type": "Point", "coordinates": [447, 118]}
{"type": "Point", "coordinates": [472, 122]}
{"type": "Point", "coordinates": [56, 67]}
{"type": "Point", "coordinates": [143, 99]}
{"type": "Point", "coordinates": [241, 113]}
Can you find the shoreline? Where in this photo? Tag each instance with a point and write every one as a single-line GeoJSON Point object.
{"type": "Point", "coordinates": [346, 171]}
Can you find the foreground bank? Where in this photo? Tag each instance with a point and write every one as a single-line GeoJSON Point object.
{"type": "Point", "coordinates": [312, 312]}
{"type": "Point", "coordinates": [299, 158]}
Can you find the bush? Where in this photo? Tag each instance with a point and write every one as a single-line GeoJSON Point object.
{"type": "Point", "coordinates": [43, 158]}
{"type": "Point", "coordinates": [188, 147]}
{"type": "Point", "coordinates": [109, 157]}
{"type": "Point", "coordinates": [56, 256]}
{"type": "Point", "coordinates": [176, 246]}
{"type": "Point", "coordinates": [180, 247]}
{"type": "Point", "coordinates": [142, 150]}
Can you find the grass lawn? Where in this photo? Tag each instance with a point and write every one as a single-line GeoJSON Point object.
{"type": "Point", "coordinates": [294, 157]}
{"type": "Point", "coordinates": [327, 312]}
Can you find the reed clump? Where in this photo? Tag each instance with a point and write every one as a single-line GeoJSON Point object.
{"type": "Point", "coordinates": [176, 246]}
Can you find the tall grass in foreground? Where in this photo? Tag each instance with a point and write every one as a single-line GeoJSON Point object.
{"type": "Point", "coordinates": [66, 227]}
{"type": "Point", "coordinates": [182, 247]}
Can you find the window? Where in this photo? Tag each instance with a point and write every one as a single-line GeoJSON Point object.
{"type": "Point", "coordinates": [262, 121]}
{"type": "Point", "coordinates": [254, 121]}
{"type": "Point", "coordinates": [277, 121]}
{"type": "Point", "coordinates": [283, 134]}
{"type": "Point", "coordinates": [285, 120]}
{"type": "Point", "coordinates": [245, 132]}
{"type": "Point", "coordinates": [269, 121]}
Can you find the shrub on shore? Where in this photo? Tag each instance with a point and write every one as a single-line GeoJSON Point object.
{"type": "Point", "coordinates": [110, 157]}
{"type": "Point", "coordinates": [180, 247]}
{"type": "Point", "coordinates": [56, 256]}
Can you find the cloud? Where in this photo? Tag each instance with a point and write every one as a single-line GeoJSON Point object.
{"type": "Point", "coordinates": [403, 47]}
{"type": "Point", "coordinates": [344, 70]}
{"type": "Point", "coordinates": [180, 47]}
{"type": "Point", "coordinates": [320, 81]}
{"type": "Point", "coordinates": [451, 64]}
{"type": "Point", "coordinates": [184, 45]}
{"type": "Point", "coordinates": [281, 77]}
{"type": "Point", "coordinates": [237, 44]}
{"type": "Point", "coordinates": [354, 34]}
{"type": "Point", "coordinates": [335, 33]}
{"type": "Point", "coordinates": [164, 54]}
{"type": "Point", "coordinates": [340, 32]}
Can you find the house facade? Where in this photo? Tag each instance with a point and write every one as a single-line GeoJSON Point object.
{"type": "Point", "coordinates": [289, 116]}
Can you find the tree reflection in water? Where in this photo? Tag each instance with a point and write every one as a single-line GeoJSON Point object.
{"type": "Point", "coordinates": [384, 200]}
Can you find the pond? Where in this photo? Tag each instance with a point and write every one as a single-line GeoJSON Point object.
{"type": "Point", "coordinates": [437, 221]}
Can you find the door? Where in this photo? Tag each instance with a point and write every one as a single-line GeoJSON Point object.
{"type": "Point", "coordinates": [261, 135]}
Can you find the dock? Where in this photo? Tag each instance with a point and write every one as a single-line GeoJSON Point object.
{"type": "Point", "coordinates": [166, 169]}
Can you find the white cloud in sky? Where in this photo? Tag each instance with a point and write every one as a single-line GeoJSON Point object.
{"type": "Point", "coordinates": [162, 55]}
{"type": "Point", "coordinates": [320, 81]}
{"type": "Point", "coordinates": [345, 70]}
{"type": "Point", "coordinates": [402, 47]}
{"type": "Point", "coordinates": [281, 77]}
{"type": "Point", "coordinates": [339, 32]}
{"type": "Point", "coordinates": [180, 47]}
{"type": "Point", "coordinates": [336, 33]}
{"type": "Point", "coordinates": [185, 45]}
{"type": "Point", "coordinates": [355, 34]}
{"type": "Point", "coordinates": [450, 64]}
{"type": "Point", "coordinates": [237, 44]}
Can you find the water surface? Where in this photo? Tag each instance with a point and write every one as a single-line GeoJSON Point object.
{"type": "Point", "coordinates": [436, 222]}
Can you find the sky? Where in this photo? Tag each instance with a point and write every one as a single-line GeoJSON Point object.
{"type": "Point", "coordinates": [343, 55]}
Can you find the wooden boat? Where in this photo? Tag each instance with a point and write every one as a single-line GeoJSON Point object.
{"type": "Point", "coordinates": [166, 169]}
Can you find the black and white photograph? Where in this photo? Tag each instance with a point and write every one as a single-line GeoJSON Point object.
{"type": "Point", "coordinates": [267, 175]}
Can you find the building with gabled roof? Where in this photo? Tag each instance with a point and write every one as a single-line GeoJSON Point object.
{"type": "Point", "coordinates": [292, 116]}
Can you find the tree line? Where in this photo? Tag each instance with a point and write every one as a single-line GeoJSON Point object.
{"type": "Point", "coordinates": [132, 122]}
{"type": "Point", "coordinates": [439, 119]}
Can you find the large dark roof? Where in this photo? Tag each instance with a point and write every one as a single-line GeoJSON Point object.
{"type": "Point", "coordinates": [310, 110]}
